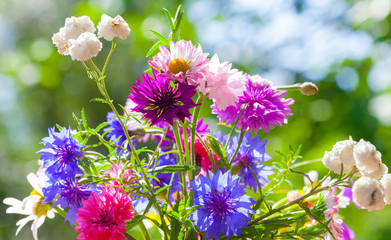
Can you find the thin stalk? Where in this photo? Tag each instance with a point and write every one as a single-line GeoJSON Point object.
{"type": "Point", "coordinates": [242, 133]}
{"type": "Point", "coordinates": [305, 163]}
{"type": "Point", "coordinates": [158, 146]}
{"type": "Point", "coordinates": [187, 151]}
{"type": "Point", "coordinates": [196, 114]}
{"type": "Point", "coordinates": [181, 158]}
{"type": "Point", "coordinates": [231, 133]}
{"type": "Point", "coordinates": [108, 57]}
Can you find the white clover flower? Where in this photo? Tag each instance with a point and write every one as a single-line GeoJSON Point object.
{"type": "Point", "coordinates": [368, 160]}
{"type": "Point", "coordinates": [342, 153]}
{"type": "Point", "coordinates": [386, 182]}
{"type": "Point", "coordinates": [32, 205]}
{"type": "Point", "coordinates": [73, 28]}
{"type": "Point", "coordinates": [109, 28]}
{"type": "Point", "coordinates": [369, 193]}
{"type": "Point", "coordinates": [61, 43]}
{"type": "Point", "coordinates": [86, 46]}
{"type": "Point", "coordinates": [332, 162]}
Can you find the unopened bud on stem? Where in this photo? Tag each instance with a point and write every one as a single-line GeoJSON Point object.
{"type": "Point", "coordinates": [308, 88]}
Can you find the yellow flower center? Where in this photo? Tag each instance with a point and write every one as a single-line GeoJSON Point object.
{"type": "Point", "coordinates": [35, 192]}
{"type": "Point", "coordinates": [178, 65]}
{"type": "Point", "coordinates": [40, 209]}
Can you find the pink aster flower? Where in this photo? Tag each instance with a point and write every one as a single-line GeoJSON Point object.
{"type": "Point", "coordinates": [103, 217]}
{"type": "Point", "coordinates": [183, 62]}
{"type": "Point", "coordinates": [222, 84]}
{"type": "Point", "coordinates": [261, 106]}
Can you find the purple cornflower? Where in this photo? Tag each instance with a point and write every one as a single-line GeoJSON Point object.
{"type": "Point", "coordinates": [117, 132]}
{"type": "Point", "coordinates": [68, 193]}
{"type": "Point", "coordinates": [162, 100]}
{"type": "Point", "coordinates": [248, 159]}
{"type": "Point", "coordinates": [61, 154]}
{"type": "Point", "coordinates": [261, 106]}
{"type": "Point", "coordinates": [224, 207]}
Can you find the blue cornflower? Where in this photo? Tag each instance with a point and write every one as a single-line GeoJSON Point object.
{"type": "Point", "coordinates": [250, 155]}
{"type": "Point", "coordinates": [68, 193]}
{"type": "Point", "coordinates": [224, 207]}
{"type": "Point", "coordinates": [61, 154]}
{"type": "Point", "coordinates": [116, 131]}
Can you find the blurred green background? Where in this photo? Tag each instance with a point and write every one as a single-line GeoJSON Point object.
{"type": "Point", "coordinates": [342, 45]}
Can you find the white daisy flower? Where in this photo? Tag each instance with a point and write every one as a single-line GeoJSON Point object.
{"type": "Point", "coordinates": [32, 205]}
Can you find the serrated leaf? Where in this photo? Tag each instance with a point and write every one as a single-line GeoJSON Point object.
{"type": "Point", "coordinates": [83, 118]}
{"type": "Point", "coordinates": [99, 100]}
{"type": "Point", "coordinates": [172, 168]}
{"type": "Point", "coordinates": [100, 127]}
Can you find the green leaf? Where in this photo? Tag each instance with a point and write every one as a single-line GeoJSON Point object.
{"type": "Point", "coordinates": [83, 117]}
{"type": "Point", "coordinates": [172, 168]}
{"type": "Point", "coordinates": [164, 40]}
{"type": "Point", "coordinates": [170, 20]}
{"type": "Point", "coordinates": [153, 51]}
{"type": "Point", "coordinates": [100, 127]}
{"type": "Point", "coordinates": [99, 100]}
{"type": "Point", "coordinates": [161, 189]}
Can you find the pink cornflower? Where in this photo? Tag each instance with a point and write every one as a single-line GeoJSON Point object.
{"type": "Point", "coordinates": [122, 175]}
{"type": "Point", "coordinates": [103, 217]}
{"type": "Point", "coordinates": [183, 62]}
{"type": "Point", "coordinates": [222, 84]}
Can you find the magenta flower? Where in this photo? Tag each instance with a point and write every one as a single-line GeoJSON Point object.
{"type": "Point", "coordinates": [103, 217]}
{"type": "Point", "coordinates": [161, 100]}
{"type": "Point", "coordinates": [261, 106]}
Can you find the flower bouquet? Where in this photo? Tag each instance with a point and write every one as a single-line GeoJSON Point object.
{"type": "Point", "coordinates": [154, 164]}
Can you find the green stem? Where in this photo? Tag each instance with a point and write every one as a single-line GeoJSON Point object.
{"type": "Point", "coordinates": [231, 133]}
{"type": "Point", "coordinates": [158, 146]}
{"type": "Point", "coordinates": [242, 133]}
{"type": "Point", "coordinates": [60, 211]}
{"type": "Point", "coordinates": [181, 158]}
{"type": "Point", "coordinates": [108, 57]}
{"type": "Point", "coordinates": [196, 114]}
{"type": "Point", "coordinates": [144, 231]}
{"type": "Point", "coordinates": [187, 151]}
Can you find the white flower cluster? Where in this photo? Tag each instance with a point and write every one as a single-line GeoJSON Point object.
{"type": "Point", "coordinates": [77, 37]}
{"type": "Point", "coordinates": [368, 191]}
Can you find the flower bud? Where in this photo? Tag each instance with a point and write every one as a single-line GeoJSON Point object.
{"type": "Point", "coordinates": [308, 88]}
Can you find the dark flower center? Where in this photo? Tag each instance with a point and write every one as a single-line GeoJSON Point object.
{"type": "Point", "coordinates": [178, 65]}
{"type": "Point", "coordinates": [65, 154]}
{"type": "Point", "coordinates": [167, 100]}
{"type": "Point", "coordinates": [219, 205]}
{"type": "Point", "coordinates": [105, 219]}
{"type": "Point", "coordinates": [75, 193]}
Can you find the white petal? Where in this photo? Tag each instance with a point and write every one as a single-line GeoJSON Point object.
{"type": "Point", "coordinates": [23, 222]}
{"type": "Point", "coordinates": [36, 224]}
{"type": "Point", "coordinates": [33, 180]}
